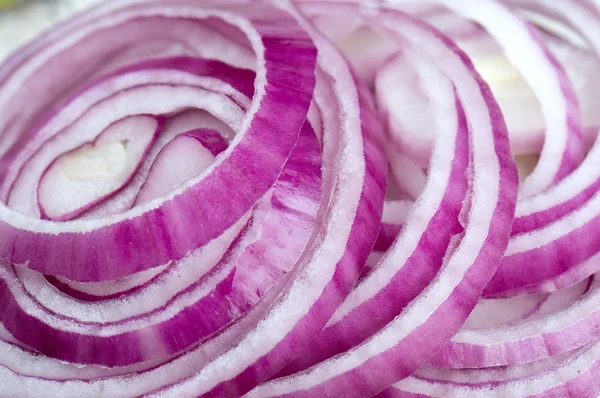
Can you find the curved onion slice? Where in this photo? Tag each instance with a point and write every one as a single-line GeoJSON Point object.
{"type": "Point", "coordinates": [566, 321]}
{"type": "Point", "coordinates": [219, 297]}
{"type": "Point", "coordinates": [280, 83]}
{"type": "Point", "coordinates": [289, 250]}
{"type": "Point", "coordinates": [537, 212]}
{"type": "Point", "coordinates": [86, 175]}
{"type": "Point", "coordinates": [570, 376]}
{"type": "Point", "coordinates": [183, 158]}
{"type": "Point", "coordinates": [366, 349]}
{"type": "Point", "coordinates": [562, 150]}
{"type": "Point", "coordinates": [564, 214]}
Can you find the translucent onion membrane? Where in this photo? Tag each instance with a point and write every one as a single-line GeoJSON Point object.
{"type": "Point", "coordinates": [303, 198]}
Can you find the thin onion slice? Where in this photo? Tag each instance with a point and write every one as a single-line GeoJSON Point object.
{"type": "Point", "coordinates": [347, 220]}
{"type": "Point", "coordinates": [364, 370]}
{"type": "Point", "coordinates": [280, 84]}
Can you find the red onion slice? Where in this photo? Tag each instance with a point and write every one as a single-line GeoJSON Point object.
{"type": "Point", "coordinates": [364, 369]}
{"type": "Point", "coordinates": [409, 115]}
{"type": "Point", "coordinates": [562, 149]}
{"type": "Point", "coordinates": [182, 159]}
{"type": "Point", "coordinates": [85, 176]}
{"type": "Point", "coordinates": [177, 124]}
{"type": "Point", "coordinates": [575, 195]}
{"type": "Point", "coordinates": [430, 227]}
{"type": "Point", "coordinates": [353, 196]}
{"type": "Point", "coordinates": [29, 242]}
{"type": "Point", "coordinates": [495, 374]}
{"type": "Point", "coordinates": [564, 324]}
{"type": "Point", "coordinates": [570, 376]}
{"type": "Point", "coordinates": [225, 293]}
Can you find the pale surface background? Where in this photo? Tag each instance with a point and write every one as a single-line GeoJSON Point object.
{"type": "Point", "coordinates": [22, 23]}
